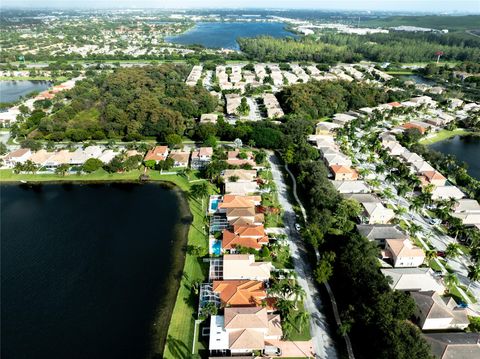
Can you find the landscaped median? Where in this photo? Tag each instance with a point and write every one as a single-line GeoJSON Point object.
{"type": "Point", "coordinates": [181, 329]}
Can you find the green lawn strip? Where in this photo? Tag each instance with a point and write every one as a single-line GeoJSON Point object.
{"type": "Point", "coordinates": [443, 135]}
{"type": "Point", "coordinates": [303, 333]}
{"type": "Point", "coordinates": [33, 78]}
{"type": "Point", "coordinates": [400, 72]}
{"type": "Point", "coordinates": [434, 265]}
{"type": "Point", "coordinates": [181, 329]}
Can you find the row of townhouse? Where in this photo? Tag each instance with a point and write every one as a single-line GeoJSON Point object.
{"type": "Point", "coordinates": [401, 259]}
{"type": "Point", "coordinates": [49, 160]}
{"type": "Point", "coordinates": [198, 158]}
{"type": "Point", "coordinates": [247, 320]}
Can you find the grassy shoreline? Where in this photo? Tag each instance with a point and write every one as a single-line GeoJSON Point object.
{"type": "Point", "coordinates": [446, 134]}
{"type": "Point", "coordinates": [180, 320]}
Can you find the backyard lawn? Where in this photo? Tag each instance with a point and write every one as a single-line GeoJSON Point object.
{"type": "Point", "coordinates": [443, 135]}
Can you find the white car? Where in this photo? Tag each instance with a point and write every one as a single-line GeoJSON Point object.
{"type": "Point", "coordinates": [297, 227]}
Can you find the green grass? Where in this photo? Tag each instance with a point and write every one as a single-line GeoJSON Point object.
{"type": "Point", "coordinates": [400, 72]}
{"type": "Point", "coordinates": [33, 78]}
{"type": "Point", "coordinates": [303, 333]}
{"type": "Point", "coordinates": [443, 135]}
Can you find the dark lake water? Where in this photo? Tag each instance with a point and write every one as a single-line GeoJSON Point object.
{"type": "Point", "coordinates": [11, 91]}
{"type": "Point", "coordinates": [464, 148]}
{"type": "Point", "coordinates": [225, 34]}
{"type": "Point", "coordinates": [85, 269]}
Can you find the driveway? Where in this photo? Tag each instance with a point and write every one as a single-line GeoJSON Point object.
{"type": "Point", "coordinates": [323, 344]}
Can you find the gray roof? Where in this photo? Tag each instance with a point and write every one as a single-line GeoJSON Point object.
{"type": "Point", "coordinates": [432, 306]}
{"type": "Point", "coordinates": [362, 197]}
{"type": "Point", "coordinates": [380, 231]}
{"type": "Point", "coordinates": [454, 345]}
{"type": "Point", "coordinates": [412, 279]}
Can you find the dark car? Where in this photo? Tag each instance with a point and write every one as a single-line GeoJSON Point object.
{"type": "Point", "coordinates": [441, 254]}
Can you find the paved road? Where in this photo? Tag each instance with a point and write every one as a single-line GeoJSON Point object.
{"type": "Point", "coordinates": [323, 343]}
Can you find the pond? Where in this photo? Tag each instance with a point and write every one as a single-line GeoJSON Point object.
{"type": "Point", "coordinates": [11, 91]}
{"type": "Point", "coordinates": [465, 149]}
{"type": "Point", "coordinates": [418, 79]}
{"type": "Point", "coordinates": [224, 34]}
{"type": "Point", "coordinates": [87, 269]}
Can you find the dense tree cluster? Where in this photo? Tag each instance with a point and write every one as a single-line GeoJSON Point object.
{"type": "Point", "coordinates": [316, 99]}
{"type": "Point", "coordinates": [128, 104]}
{"type": "Point", "coordinates": [334, 47]}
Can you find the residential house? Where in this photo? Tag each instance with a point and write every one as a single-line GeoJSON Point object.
{"type": "Point", "coordinates": [351, 186]}
{"type": "Point", "coordinates": [107, 156]}
{"type": "Point", "coordinates": [242, 330]}
{"type": "Point", "coordinates": [417, 126]}
{"type": "Point", "coordinates": [159, 153]}
{"type": "Point", "coordinates": [209, 118]}
{"type": "Point", "coordinates": [272, 106]}
{"type": "Point", "coordinates": [18, 156]}
{"type": "Point", "coordinates": [233, 101]}
{"type": "Point", "coordinates": [240, 175]}
{"type": "Point", "coordinates": [58, 158]}
{"type": "Point", "coordinates": [434, 177]}
{"type": "Point", "coordinates": [421, 166]}
{"type": "Point", "coordinates": [394, 148]}
{"type": "Point", "coordinates": [41, 157]}
{"type": "Point", "coordinates": [337, 159]}
{"type": "Point", "coordinates": [454, 345]}
{"type": "Point", "coordinates": [234, 158]}
{"type": "Point", "coordinates": [241, 188]}
{"type": "Point", "coordinates": [404, 253]}
{"type": "Point", "coordinates": [468, 218]}
{"type": "Point", "coordinates": [248, 236]}
{"type": "Point", "coordinates": [466, 205]}
{"type": "Point", "coordinates": [326, 128]}
{"type": "Point", "coordinates": [343, 173]}
{"type": "Point", "coordinates": [412, 279]}
{"type": "Point", "coordinates": [446, 192]}
{"type": "Point", "coordinates": [362, 197]}
{"type": "Point", "coordinates": [239, 293]}
{"type": "Point", "coordinates": [180, 158]}
{"type": "Point", "coordinates": [379, 233]}
{"type": "Point", "coordinates": [434, 312]}
{"type": "Point", "coordinates": [377, 213]}
{"type": "Point", "coordinates": [342, 119]}
{"type": "Point", "coordinates": [201, 157]}
{"type": "Point", "coordinates": [243, 266]}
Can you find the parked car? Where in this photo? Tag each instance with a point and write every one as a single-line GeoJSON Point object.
{"type": "Point", "coordinates": [297, 227]}
{"type": "Point", "coordinates": [272, 350]}
{"type": "Point", "coordinates": [441, 254]}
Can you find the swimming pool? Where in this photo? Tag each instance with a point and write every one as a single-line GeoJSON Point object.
{"type": "Point", "coordinates": [217, 247]}
{"type": "Point", "coordinates": [213, 205]}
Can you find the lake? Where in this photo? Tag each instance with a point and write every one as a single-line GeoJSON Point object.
{"type": "Point", "coordinates": [11, 91]}
{"type": "Point", "coordinates": [87, 269]}
{"type": "Point", "coordinates": [465, 149]}
{"type": "Point", "coordinates": [224, 34]}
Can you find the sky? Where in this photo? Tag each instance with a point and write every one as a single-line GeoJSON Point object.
{"type": "Point", "coordinates": [380, 5]}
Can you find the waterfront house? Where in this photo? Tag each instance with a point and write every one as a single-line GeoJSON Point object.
{"type": "Point", "coordinates": [404, 253]}
{"type": "Point", "coordinates": [412, 279]}
{"type": "Point", "coordinates": [434, 177]}
{"type": "Point", "coordinates": [18, 156]}
{"type": "Point", "coordinates": [180, 158]}
{"type": "Point", "coordinates": [58, 158]}
{"type": "Point", "coordinates": [248, 236]}
{"type": "Point", "coordinates": [159, 153]}
{"type": "Point", "coordinates": [239, 293]}
{"type": "Point", "coordinates": [454, 345]}
{"type": "Point", "coordinates": [243, 266]}
{"type": "Point", "coordinates": [243, 330]}
{"type": "Point", "coordinates": [446, 192]}
{"type": "Point", "coordinates": [434, 312]}
{"type": "Point", "coordinates": [201, 157]}
{"type": "Point", "coordinates": [41, 157]}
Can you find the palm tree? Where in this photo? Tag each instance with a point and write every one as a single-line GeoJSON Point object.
{"type": "Point", "coordinates": [453, 250]}
{"type": "Point", "coordinates": [430, 254]}
{"type": "Point", "coordinates": [416, 204]}
{"type": "Point", "coordinates": [450, 280]}
{"type": "Point", "coordinates": [62, 169]}
{"type": "Point", "coordinates": [301, 320]}
{"type": "Point", "coordinates": [473, 273]}
{"type": "Point", "coordinates": [414, 229]}
{"type": "Point", "coordinates": [199, 191]}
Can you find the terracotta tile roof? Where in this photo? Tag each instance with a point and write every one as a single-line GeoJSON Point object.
{"type": "Point", "coordinates": [395, 104]}
{"type": "Point", "coordinates": [413, 125]}
{"type": "Point", "coordinates": [433, 175]}
{"type": "Point", "coordinates": [232, 201]}
{"type": "Point", "coordinates": [245, 236]}
{"type": "Point", "coordinates": [240, 292]}
{"type": "Point", "coordinates": [159, 153]}
{"type": "Point", "coordinates": [17, 153]}
{"type": "Point", "coordinates": [246, 318]}
{"type": "Point", "coordinates": [246, 339]}
{"type": "Point", "coordinates": [404, 248]}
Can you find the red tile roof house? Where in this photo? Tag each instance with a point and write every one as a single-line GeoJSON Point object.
{"type": "Point", "coordinates": [343, 173]}
{"type": "Point", "coordinates": [414, 125]}
{"type": "Point", "coordinates": [249, 236]}
{"type": "Point", "coordinates": [434, 177]}
{"type": "Point", "coordinates": [159, 153]}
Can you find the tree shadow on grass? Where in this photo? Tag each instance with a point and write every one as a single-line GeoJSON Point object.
{"type": "Point", "coordinates": [177, 348]}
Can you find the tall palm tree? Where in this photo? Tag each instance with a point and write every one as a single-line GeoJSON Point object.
{"type": "Point", "coordinates": [301, 320]}
{"type": "Point", "coordinates": [430, 254]}
{"type": "Point", "coordinates": [450, 280]}
{"type": "Point", "coordinates": [453, 250]}
{"type": "Point", "coordinates": [199, 191]}
{"type": "Point", "coordinates": [473, 273]}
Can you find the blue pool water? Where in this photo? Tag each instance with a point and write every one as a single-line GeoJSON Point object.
{"type": "Point", "coordinates": [217, 248]}
{"type": "Point", "coordinates": [214, 204]}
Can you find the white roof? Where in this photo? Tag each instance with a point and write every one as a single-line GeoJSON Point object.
{"type": "Point", "coordinates": [351, 186]}
{"type": "Point", "coordinates": [447, 192]}
{"type": "Point", "coordinates": [218, 335]}
{"type": "Point", "coordinates": [413, 279]}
